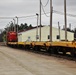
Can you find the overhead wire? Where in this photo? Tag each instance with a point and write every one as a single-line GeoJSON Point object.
{"type": "Point", "coordinates": [46, 3]}
{"type": "Point", "coordinates": [18, 17]}
{"type": "Point", "coordinates": [6, 17]}
{"type": "Point", "coordinates": [58, 12]}
{"type": "Point", "coordinates": [44, 10]}
{"type": "Point", "coordinates": [27, 16]}
{"type": "Point", "coordinates": [61, 13]}
{"type": "Point", "coordinates": [45, 13]}
{"type": "Point", "coordinates": [71, 15]}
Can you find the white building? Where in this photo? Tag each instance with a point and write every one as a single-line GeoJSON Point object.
{"type": "Point", "coordinates": [30, 35]}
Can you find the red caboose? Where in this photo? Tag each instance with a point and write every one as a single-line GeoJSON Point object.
{"type": "Point", "coordinates": [12, 36]}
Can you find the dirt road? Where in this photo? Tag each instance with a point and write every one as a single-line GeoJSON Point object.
{"type": "Point", "coordinates": [20, 62]}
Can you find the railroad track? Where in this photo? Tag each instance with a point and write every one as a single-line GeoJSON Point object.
{"type": "Point", "coordinates": [43, 52]}
{"type": "Point", "coordinates": [59, 55]}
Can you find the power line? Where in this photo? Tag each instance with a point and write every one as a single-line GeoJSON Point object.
{"type": "Point", "coordinates": [45, 13]}
{"type": "Point", "coordinates": [27, 16]}
{"type": "Point", "coordinates": [44, 10]}
{"type": "Point", "coordinates": [71, 15]}
{"type": "Point", "coordinates": [18, 17]}
{"type": "Point", "coordinates": [46, 3]}
{"type": "Point", "coordinates": [61, 13]}
{"type": "Point", "coordinates": [6, 17]}
{"type": "Point", "coordinates": [57, 12]}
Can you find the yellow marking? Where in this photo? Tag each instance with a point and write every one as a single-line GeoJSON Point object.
{"type": "Point", "coordinates": [21, 43]}
{"type": "Point", "coordinates": [39, 43]}
{"type": "Point", "coordinates": [28, 43]}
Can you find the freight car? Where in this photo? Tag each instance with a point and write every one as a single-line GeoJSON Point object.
{"type": "Point", "coordinates": [27, 40]}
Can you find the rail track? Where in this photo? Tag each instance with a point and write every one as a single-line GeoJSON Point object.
{"type": "Point", "coordinates": [29, 62]}
{"type": "Point", "coordinates": [58, 55]}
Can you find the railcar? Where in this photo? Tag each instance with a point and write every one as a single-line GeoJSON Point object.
{"type": "Point", "coordinates": [28, 41]}
{"type": "Point", "coordinates": [12, 36]}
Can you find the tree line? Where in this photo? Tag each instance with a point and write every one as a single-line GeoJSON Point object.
{"type": "Point", "coordinates": [20, 27]}
{"type": "Point", "coordinates": [68, 29]}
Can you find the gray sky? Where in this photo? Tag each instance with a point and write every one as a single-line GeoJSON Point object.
{"type": "Point", "coordinates": [12, 8]}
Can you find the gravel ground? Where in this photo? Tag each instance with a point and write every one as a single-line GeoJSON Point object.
{"type": "Point", "coordinates": [20, 62]}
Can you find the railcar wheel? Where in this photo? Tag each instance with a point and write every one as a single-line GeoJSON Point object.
{"type": "Point", "coordinates": [34, 48]}
{"type": "Point", "coordinates": [56, 50]}
{"type": "Point", "coordinates": [72, 52]}
{"type": "Point", "coordinates": [26, 47]}
{"type": "Point", "coordinates": [64, 51]}
{"type": "Point", "coordinates": [49, 50]}
{"type": "Point", "coordinates": [38, 48]}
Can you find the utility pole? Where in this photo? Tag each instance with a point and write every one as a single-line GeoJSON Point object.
{"type": "Point", "coordinates": [17, 24]}
{"type": "Point", "coordinates": [7, 27]}
{"type": "Point", "coordinates": [70, 26]}
{"type": "Point", "coordinates": [11, 26]}
{"type": "Point", "coordinates": [51, 20]}
{"type": "Point", "coordinates": [14, 25]}
{"type": "Point", "coordinates": [7, 30]}
{"type": "Point", "coordinates": [65, 19]}
{"type": "Point", "coordinates": [17, 28]}
{"type": "Point", "coordinates": [37, 27]}
{"type": "Point", "coordinates": [40, 20]}
{"type": "Point", "coordinates": [59, 30]}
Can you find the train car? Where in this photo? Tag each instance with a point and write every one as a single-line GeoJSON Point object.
{"type": "Point", "coordinates": [12, 36]}
{"type": "Point", "coordinates": [28, 40]}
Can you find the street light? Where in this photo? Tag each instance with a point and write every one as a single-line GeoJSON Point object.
{"type": "Point", "coordinates": [17, 27]}
{"type": "Point", "coordinates": [59, 29]}
{"type": "Point", "coordinates": [9, 27]}
{"type": "Point", "coordinates": [14, 25]}
{"type": "Point", "coordinates": [37, 27]}
{"type": "Point", "coordinates": [7, 30]}
{"type": "Point", "coordinates": [17, 24]}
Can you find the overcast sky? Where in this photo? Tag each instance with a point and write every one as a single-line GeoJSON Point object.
{"type": "Point", "coordinates": [12, 8]}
